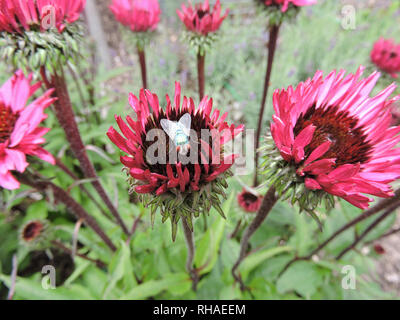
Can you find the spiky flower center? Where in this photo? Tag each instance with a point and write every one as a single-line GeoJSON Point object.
{"type": "Point", "coordinates": [7, 122]}
{"type": "Point", "coordinates": [32, 230]}
{"type": "Point", "coordinates": [392, 54]}
{"type": "Point", "coordinates": [348, 142]}
{"type": "Point", "coordinates": [200, 13]}
{"type": "Point", "coordinates": [249, 198]}
{"type": "Point", "coordinates": [199, 123]}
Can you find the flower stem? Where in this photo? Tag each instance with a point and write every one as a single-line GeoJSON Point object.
{"type": "Point", "coordinates": [268, 203]}
{"type": "Point", "coordinates": [142, 60]}
{"type": "Point", "coordinates": [66, 118]}
{"type": "Point", "coordinates": [273, 38]}
{"type": "Point", "coordinates": [65, 198]}
{"type": "Point", "coordinates": [201, 59]}
{"type": "Point", "coordinates": [189, 239]}
{"type": "Point", "coordinates": [236, 230]}
{"type": "Point", "coordinates": [371, 227]}
{"type": "Point", "coordinates": [67, 171]}
{"type": "Point", "coordinates": [390, 204]}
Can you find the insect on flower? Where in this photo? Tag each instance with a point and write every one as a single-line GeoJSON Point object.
{"type": "Point", "coordinates": [179, 132]}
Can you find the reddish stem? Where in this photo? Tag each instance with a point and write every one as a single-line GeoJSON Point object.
{"type": "Point", "coordinates": [143, 69]}
{"type": "Point", "coordinates": [201, 59]}
{"type": "Point", "coordinates": [391, 204]}
{"type": "Point", "coordinates": [189, 239]}
{"type": "Point", "coordinates": [65, 169]}
{"type": "Point", "coordinates": [66, 118]}
{"type": "Point", "coordinates": [268, 203]}
{"type": "Point", "coordinates": [371, 227]}
{"type": "Point", "coordinates": [65, 198]}
{"type": "Point", "coordinates": [273, 38]}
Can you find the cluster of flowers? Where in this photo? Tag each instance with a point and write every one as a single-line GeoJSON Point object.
{"type": "Point", "coordinates": [328, 133]}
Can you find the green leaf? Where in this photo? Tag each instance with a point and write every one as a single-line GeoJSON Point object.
{"type": "Point", "coordinates": [32, 289]}
{"type": "Point", "coordinates": [208, 247]}
{"type": "Point", "coordinates": [255, 259]}
{"type": "Point", "coordinates": [120, 268]}
{"type": "Point", "coordinates": [154, 287]}
{"type": "Point", "coordinates": [301, 240]}
{"type": "Point", "coordinates": [302, 277]}
{"type": "Point", "coordinates": [37, 210]}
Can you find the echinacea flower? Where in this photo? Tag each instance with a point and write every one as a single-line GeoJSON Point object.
{"type": "Point", "coordinates": [20, 134]}
{"type": "Point", "coordinates": [201, 19]}
{"type": "Point", "coordinates": [177, 187]}
{"type": "Point", "coordinates": [249, 201]}
{"type": "Point", "coordinates": [330, 138]}
{"type": "Point", "coordinates": [36, 234]}
{"type": "Point", "coordinates": [379, 249]}
{"type": "Point", "coordinates": [386, 56]}
{"type": "Point", "coordinates": [38, 33]}
{"type": "Point", "coordinates": [284, 4]}
{"type": "Point", "coordinates": [19, 16]}
{"type": "Point", "coordinates": [139, 15]}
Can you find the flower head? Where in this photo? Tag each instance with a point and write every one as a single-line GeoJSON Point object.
{"type": "Point", "coordinates": [249, 201]}
{"type": "Point", "coordinates": [20, 15]}
{"type": "Point", "coordinates": [201, 19]}
{"type": "Point", "coordinates": [386, 56]}
{"type": "Point", "coordinates": [35, 234]}
{"type": "Point", "coordinates": [379, 249]}
{"type": "Point", "coordinates": [20, 134]}
{"type": "Point", "coordinates": [330, 138]}
{"type": "Point", "coordinates": [182, 172]}
{"type": "Point", "coordinates": [139, 15]}
{"type": "Point", "coordinates": [284, 4]}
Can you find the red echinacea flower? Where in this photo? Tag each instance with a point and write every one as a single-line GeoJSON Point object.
{"type": "Point", "coordinates": [139, 15]}
{"type": "Point", "coordinates": [20, 15]}
{"type": "Point", "coordinates": [249, 201]}
{"type": "Point", "coordinates": [386, 56]}
{"type": "Point", "coordinates": [284, 4]}
{"type": "Point", "coordinates": [19, 132]}
{"type": "Point", "coordinates": [36, 234]}
{"type": "Point", "coordinates": [334, 139]}
{"type": "Point", "coordinates": [177, 187]}
{"type": "Point", "coordinates": [201, 19]}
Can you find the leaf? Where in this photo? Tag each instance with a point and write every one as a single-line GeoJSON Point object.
{"type": "Point", "coordinates": [209, 245]}
{"type": "Point", "coordinates": [255, 259]}
{"type": "Point", "coordinates": [37, 210]}
{"type": "Point", "coordinates": [301, 239]}
{"type": "Point", "coordinates": [120, 268]}
{"type": "Point", "coordinates": [80, 267]}
{"type": "Point", "coordinates": [154, 287]}
{"type": "Point", "coordinates": [302, 277]}
{"type": "Point", "coordinates": [32, 289]}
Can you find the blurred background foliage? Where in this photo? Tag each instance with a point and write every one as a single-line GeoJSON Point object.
{"type": "Point", "coordinates": [150, 265]}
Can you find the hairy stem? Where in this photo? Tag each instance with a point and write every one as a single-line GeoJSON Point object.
{"type": "Point", "coordinates": [371, 227]}
{"type": "Point", "coordinates": [268, 203]}
{"type": "Point", "coordinates": [390, 203]}
{"type": "Point", "coordinates": [201, 59]}
{"type": "Point", "coordinates": [273, 38]}
{"type": "Point", "coordinates": [143, 69]}
{"type": "Point", "coordinates": [66, 118]}
{"type": "Point", "coordinates": [68, 201]}
{"type": "Point", "coordinates": [189, 239]}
